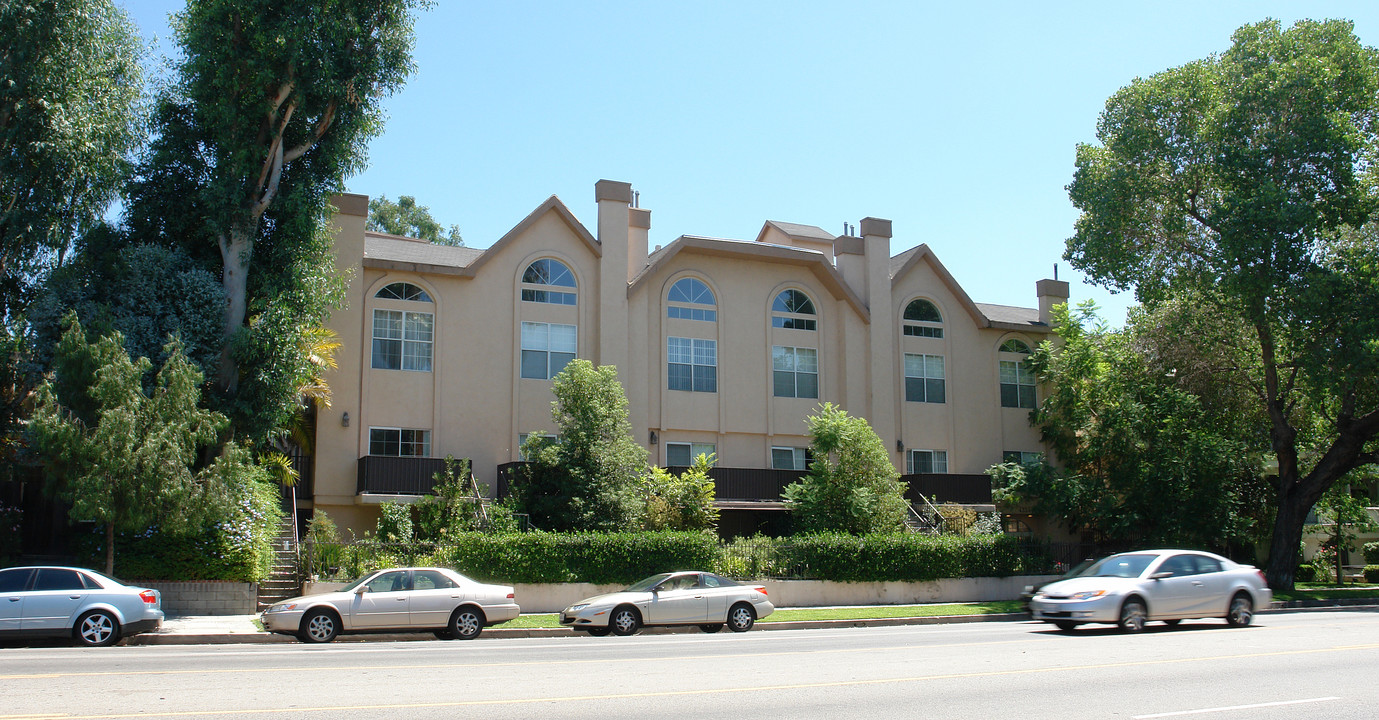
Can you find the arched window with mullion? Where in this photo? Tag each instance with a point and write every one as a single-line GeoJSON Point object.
{"type": "Point", "coordinates": [922, 319]}
{"type": "Point", "coordinates": [690, 299]}
{"type": "Point", "coordinates": [793, 310]}
{"type": "Point", "coordinates": [1017, 380]}
{"type": "Point", "coordinates": [542, 282]}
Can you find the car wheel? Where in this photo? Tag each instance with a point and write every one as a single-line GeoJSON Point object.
{"type": "Point", "coordinates": [319, 626]}
{"type": "Point", "coordinates": [1173, 622]}
{"type": "Point", "coordinates": [624, 621]}
{"type": "Point", "coordinates": [1065, 625]}
{"type": "Point", "coordinates": [444, 635]}
{"type": "Point", "coordinates": [97, 628]}
{"type": "Point", "coordinates": [467, 623]}
{"type": "Point", "coordinates": [741, 617]}
{"type": "Point", "coordinates": [1133, 615]}
{"type": "Point", "coordinates": [597, 631]}
{"type": "Point", "coordinates": [711, 627]}
{"type": "Point", "coordinates": [1241, 611]}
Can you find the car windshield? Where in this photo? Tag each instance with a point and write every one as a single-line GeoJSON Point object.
{"type": "Point", "coordinates": [355, 583]}
{"type": "Point", "coordinates": [646, 583]}
{"type": "Point", "coordinates": [1125, 566]}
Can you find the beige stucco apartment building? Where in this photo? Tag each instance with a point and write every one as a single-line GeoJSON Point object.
{"type": "Point", "coordinates": [722, 345]}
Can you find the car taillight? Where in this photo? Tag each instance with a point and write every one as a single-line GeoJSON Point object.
{"type": "Point", "coordinates": [149, 597]}
{"type": "Point", "coordinates": [761, 589]}
{"type": "Point", "coordinates": [511, 596]}
{"type": "Point", "coordinates": [1262, 579]}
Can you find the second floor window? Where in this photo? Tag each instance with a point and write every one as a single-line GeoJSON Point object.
{"type": "Point", "coordinates": [692, 364]}
{"type": "Point", "coordinates": [399, 442]}
{"type": "Point", "coordinates": [542, 282]}
{"type": "Point", "coordinates": [928, 461]}
{"type": "Point", "coordinates": [793, 310]}
{"type": "Point", "coordinates": [691, 299]}
{"type": "Point", "coordinates": [795, 372]}
{"type": "Point", "coordinates": [924, 379]}
{"type": "Point", "coordinates": [402, 340]}
{"type": "Point", "coordinates": [1021, 457]}
{"type": "Point", "coordinates": [684, 454]}
{"type": "Point", "coordinates": [1017, 380]}
{"type": "Point", "coordinates": [922, 319]}
{"type": "Point", "coordinates": [789, 458]}
{"type": "Point", "coordinates": [547, 348]}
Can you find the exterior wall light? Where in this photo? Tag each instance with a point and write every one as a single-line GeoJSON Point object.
{"type": "Point", "coordinates": [344, 419]}
{"type": "Point", "coordinates": [652, 437]}
{"type": "Point", "coordinates": [900, 446]}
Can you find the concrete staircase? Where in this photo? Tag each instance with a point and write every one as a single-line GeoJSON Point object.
{"type": "Point", "coordinates": [285, 581]}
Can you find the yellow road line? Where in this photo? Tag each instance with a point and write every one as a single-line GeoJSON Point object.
{"type": "Point", "coordinates": [685, 693]}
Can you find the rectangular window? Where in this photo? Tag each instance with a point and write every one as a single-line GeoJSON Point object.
{"type": "Point", "coordinates": [928, 461]}
{"type": "Point", "coordinates": [793, 323]}
{"type": "Point", "coordinates": [399, 442]}
{"type": "Point", "coordinates": [547, 348]}
{"type": "Point", "coordinates": [1017, 385]}
{"type": "Point", "coordinates": [692, 364]}
{"type": "Point", "coordinates": [684, 454]}
{"type": "Point", "coordinates": [402, 340]}
{"type": "Point", "coordinates": [924, 378]}
{"type": "Point", "coordinates": [552, 297]}
{"type": "Point", "coordinates": [923, 331]}
{"type": "Point", "coordinates": [1021, 457]}
{"type": "Point", "coordinates": [789, 458]}
{"type": "Point", "coordinates": [691, 313]}
{"type": "Point", "coordinates": [795, 372]}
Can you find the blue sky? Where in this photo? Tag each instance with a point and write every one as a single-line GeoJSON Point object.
{"type": "Point", "coordinates": [957, 121]}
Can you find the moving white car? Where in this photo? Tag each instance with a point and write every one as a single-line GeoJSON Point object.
{"type": "Point", "coordinates": [1133, 588]}
{"type": "Point", "coordinates": [91, 608]}
{"type": "Point", "coordinates": [420, 599]}
{"type": "Point", "coordinates": [679, 598]}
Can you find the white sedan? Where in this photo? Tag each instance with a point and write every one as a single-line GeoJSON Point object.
{"type": "Point", "coordinates": [1133, 588]}
{"type": "Point", "coordinates": [436, 600]}
{"type": "Point", "coordinates": [678, 598]}
{"type": "Point", "coordinates": [89, 607]}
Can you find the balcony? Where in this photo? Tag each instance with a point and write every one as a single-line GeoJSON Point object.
{"type": "Point", "coordinates": [387, 475]}
{"type": "Point", "coordinates": [948, 488]}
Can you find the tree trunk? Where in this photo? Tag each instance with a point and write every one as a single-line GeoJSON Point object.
{"type": "Point", "coordinates": [110, 549]}
{"type": "Point", "coordinates": [235, 252]}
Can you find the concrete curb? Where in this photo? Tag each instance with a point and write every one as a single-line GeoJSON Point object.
{"type": "Point", "coordinates": [232, 638]}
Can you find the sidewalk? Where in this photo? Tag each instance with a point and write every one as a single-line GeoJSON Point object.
{"type": "Point", "coordinates": [235, 629]}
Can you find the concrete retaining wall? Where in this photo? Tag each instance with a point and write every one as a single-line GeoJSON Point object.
{"type": "Point", "coordinates": [207, 598]}
{"type": "Point", "coordinates": [554, 597]}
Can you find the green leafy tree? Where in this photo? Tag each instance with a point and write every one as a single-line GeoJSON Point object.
{"type": "Point", "coordinates": [405, 217]}
{"type": "Point", "coordinates": [70, 83]}
{"type": "Point", "coordinates": [1142, 462]}
{"type": "Point", "coordinates": [852, 486]}
{"type": "Point", "coordinates": [592, 478]}
{"type": "Point", "coordinates": [127, 458]}
{"type": "Point", "coordinates": [270, 109]}
{"type": "Point", "coordinates": [1243, 178]}
{"type": "Point", "coordinates": [1344, 516]}
{"type": "Point", "coordinates": [684, 501]}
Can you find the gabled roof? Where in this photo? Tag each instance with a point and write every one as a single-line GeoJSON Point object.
{"type": "Point", "coordinates": [814, 260]}
{"type": "Point", "coordinates": [797, 232]}
{"type": "Point", "coordinates": [906, 261]}
{"type": "Point", "coordinates": [394, 252]}
{"type": "Point", "coordinates": [1012, 318]}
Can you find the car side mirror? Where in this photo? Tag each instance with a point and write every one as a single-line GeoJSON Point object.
{"type": "Point", "coordinates": [1161, 575]}
{"type": "Point", "coordinates": [361, 589]}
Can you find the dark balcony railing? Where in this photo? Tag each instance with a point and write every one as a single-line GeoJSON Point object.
{"type": "Point", "coordinates": [762, 484]}
{"type": "Point", "coordinates": [948, 488]}
{"type": "Point", "coordinates": [386, 475]}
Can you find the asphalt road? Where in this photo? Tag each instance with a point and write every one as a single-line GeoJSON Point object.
{"type": "Point", "coordinates": [1289, 665]}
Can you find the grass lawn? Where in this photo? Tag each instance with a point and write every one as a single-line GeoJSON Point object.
{"type": "Point", "coordinates": [1325, 591]}
{"type": "Point", "coordinates": [552, 620]}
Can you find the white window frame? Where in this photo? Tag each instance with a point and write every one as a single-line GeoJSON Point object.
{"type": "Point", "coordinates": [938, 461]}
{"type": "Point", "coordinates": [412, 334]}
{"type": "Point", "coordinates": [420, 442]}
{"type": "Point", "coordinates": [549, 293]}
{"type": "Point", "coordinates": [922, 328]}
{"type": "Point", "coordinates": [538, 339]}
{"type": "Point", "coordinates": [922, 369]}
{"type": "Point", "coordinates": [785, 355]}
{"type": "Point", "coordinates": [1017, 378]}
{"type": "Point", "coordinates": [696, 308]}
{"type": "Point", "coordinates": [799, 457]}
{"type": "Point", "coordinates": [698, 357]}
{"type": "Point", "coordinates": [695, 449]}
{"type": "Point", "coordinates": [1023, 457]}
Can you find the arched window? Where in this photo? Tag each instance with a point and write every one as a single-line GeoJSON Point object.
{"type": "Point", "coordinates": [688, 298]}
{"type": "Point", "coordinates": [1017, 380]}
{"type": "Point", "coordinates": [550, 275]}
{"type": "Point", "coordinates": [922, 318]}
{"type": "Point", "coordinates": [787, 309]}
{"type": "Point", "coordinates": [403, 291]}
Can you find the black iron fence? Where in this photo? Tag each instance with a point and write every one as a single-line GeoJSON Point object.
{"type": "Point", "coordinates": [948, 488]}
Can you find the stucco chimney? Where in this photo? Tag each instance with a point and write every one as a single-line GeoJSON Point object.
{"type": "Point", "coordinates": [639, 229]}
{"type": "Point", "coordinates": [876, 240]}
{"type": "Point", "coordinates": [850, 257]}
{"type": "Point", "coordinates": [1050, 292]}
{"type": "Point", "coordinates": [614, 200]}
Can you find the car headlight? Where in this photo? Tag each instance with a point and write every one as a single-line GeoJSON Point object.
{"type": "Point", "coordinates": [576, 608]}
{"type": "Point", "coordinates": [1087, 595]}
{"type": "Point", "coordinates": [283, 607]}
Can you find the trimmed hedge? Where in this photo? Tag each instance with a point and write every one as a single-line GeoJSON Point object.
{"type": "Point", "coordinates": [1372, 553]}
{"type": "Point", "coordinates": [621, 558]}
{"type": "Point", "coordinates": [1372, 573]}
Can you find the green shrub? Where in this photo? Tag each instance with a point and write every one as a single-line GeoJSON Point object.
{"type": "Point", "coordinates": [1372, 573]}
{"type": "Point", "coordinates": [1372, 553]}
{"type": "Point", "coordinates": [577, 557]}
{"type": "Point", "coordinates": [876, 558]}
{"type": "Point", "coordinates": [394, 523]}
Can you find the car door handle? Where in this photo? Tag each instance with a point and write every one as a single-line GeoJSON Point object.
{"type": "Point", "coordinates": [400, 599]}
{"type": "Point", "coordinates": [698, 597]}
{"type": "Point", "coordinates": [1196, 583]}
{"type": "Point", "coordinates": [14, 599]}
{"type": "Point", "coordinates": [74, 597]}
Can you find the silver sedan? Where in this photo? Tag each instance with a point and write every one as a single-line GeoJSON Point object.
{"type": "Point", "coordinates": [1133, 588]}
{"type": "Point", "coordinates": [678, 598]}
{"type": "Point", "coordinates": [89, 607]}
{"type": "Point", "coordinates": [437, 600]}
